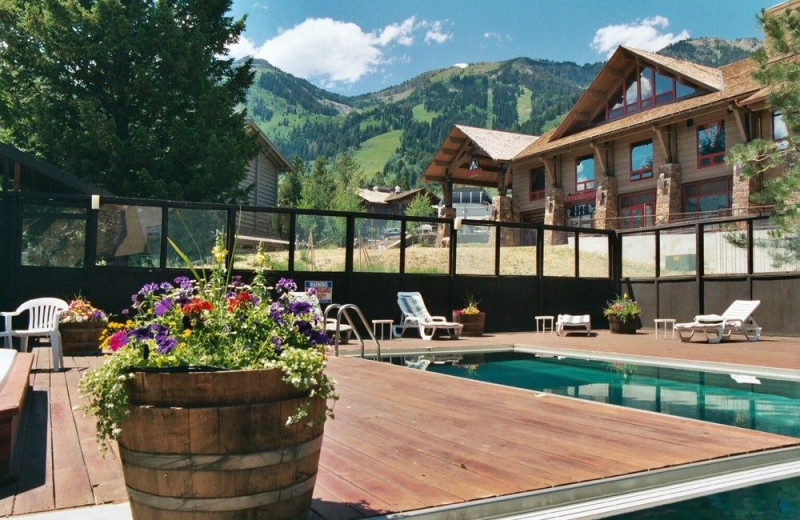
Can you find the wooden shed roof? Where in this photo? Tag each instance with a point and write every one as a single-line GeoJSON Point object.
{"type": "Point", "coordinates": [268, 147]}
{"type": "Point", "coordinates": [464, 143]}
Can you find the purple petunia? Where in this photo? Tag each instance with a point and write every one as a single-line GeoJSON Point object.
{"type": "Point", "coordinates": [285, 285]}
{"type": "Point", "coordinates": [163, 306]}
{"type": "Point", "coordinates": [300, 307]}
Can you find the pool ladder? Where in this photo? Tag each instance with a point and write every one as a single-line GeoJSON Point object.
{"type": "Point", "coordinates": [343, 311]}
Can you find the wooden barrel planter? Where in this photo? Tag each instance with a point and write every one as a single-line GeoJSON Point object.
{"type": "Point", "coordinates": [618, 327]}
{"type": "Point", "coordinates": [473, 323]}
{"type": "Point", "coordinates": [215, 445]}
{"type": "Point", "coordinates": [80, 338]}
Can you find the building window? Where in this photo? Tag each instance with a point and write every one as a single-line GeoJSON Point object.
{"type": "Point", "coordinates": [710, 144]}
{"type": "Point", "coordinates": [581, 215]}
{"type": "Point", "coordinates": [644, 88]}
{"type": "Point", "coordinates": [712, 198]}
{"type": "Point", "coordinates": [584, 173]}
{"type": "Point", "coordinates": [537, 183]}
{"type": "Point", "coordinates": [637, 210]}
{"type": "Point", "coordinates": [780, 134]}
{"type": "Point", "coordinates": [642, 160]}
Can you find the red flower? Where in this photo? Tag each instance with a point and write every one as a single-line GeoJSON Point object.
{"type": "Point", "coordinates": [197, 305]}
{"type": "Point", "coordinates": [240, 299]}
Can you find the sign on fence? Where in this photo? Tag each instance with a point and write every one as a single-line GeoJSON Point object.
{"type": "Point", "coordinates": [324, 290]}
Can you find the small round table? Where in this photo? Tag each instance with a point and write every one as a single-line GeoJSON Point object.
{"type": "Point", "coordinates": [665, 321]}
{"type": "Point", "coordinates": [382, 324]}
{"type": "Point", "coordinates": [545, 321]}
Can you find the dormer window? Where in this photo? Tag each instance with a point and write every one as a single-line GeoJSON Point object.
{"type": "Point", "coordinates": [644, 88]}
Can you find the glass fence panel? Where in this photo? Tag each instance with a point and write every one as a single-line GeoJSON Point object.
{"type": "Point", "coordinates": [53, 236]}
{"type": "Point", "coordinates": [518, 251]}
{"type": "Point", "coordinates": [268, 231]}
{"type": "Point", "coordinates": [725, 248]}
{"type": "Point", "coordinates": [593, 258]}
{"type": "Point", "coordinates": [559, 253]}
{"type": "Point", "coordinates": [639, 255]}
{"type": "Point", "coordinates": [475, 250]}
{"type": "Point", "coordinates": [193, 233]}
{"type": "Point", "coordinates": [773, 251]}
{"type": "Point", "coordinates": [678, 252]}
{"type": "Point", "coordinates": [128, 236]}
{"type": "Point", "coordinates": [429, 253]}
{"type": "Point", "coordinates": [320, 243]}
{"type": "Point", "coordinates": [377, 246]}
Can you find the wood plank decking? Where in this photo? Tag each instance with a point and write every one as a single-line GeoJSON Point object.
{"type": "Point", "coordinates": [408, 440]}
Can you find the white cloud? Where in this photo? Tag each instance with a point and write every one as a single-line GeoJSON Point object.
{"type": "Point", "coordinates": [437, 34]}
{"type": "Point", "coordinates": [645, 34]}
{"type": "Point", "coordinates": [497, 37]}
{"type": "Point", "coordinates": [332, 51]}
{"type": "Point", "coordinates": [461, 65]}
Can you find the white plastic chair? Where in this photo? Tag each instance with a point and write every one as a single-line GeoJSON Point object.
{"type": "Point", "coordinates": [416, 315]}
{"type": "Point", "coordinates": [43, 317]}
{"type": "Point", "coordinates": [737, 319]}
{"type": "Point", "coordinates": [573, 321]}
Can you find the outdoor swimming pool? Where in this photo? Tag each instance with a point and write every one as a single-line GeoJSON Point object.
{"type": "Point", "coordinates": [737, 400]}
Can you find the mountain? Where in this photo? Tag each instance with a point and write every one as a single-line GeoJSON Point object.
{"type": "Point", "coordinates": [394, 133]}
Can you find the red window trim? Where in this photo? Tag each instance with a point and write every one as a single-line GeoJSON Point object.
{"type": "Point", "coordinates": [534, 195]}
{"type": "Point", "coordinates": [587, 185]}
{"type": "Point", "coordinates": [711, 157]}
{"type": "Point", "coordinates": [640, 174]}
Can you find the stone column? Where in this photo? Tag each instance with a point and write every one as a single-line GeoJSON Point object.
{"type": "Point", "coordinates": [555, 215]}
{"type": "Point", "coordinates": [503, 211]}
{"type": "Point", "coordinates": [742, 189]}
{"type": "Point", "coordinates": [668, 192]}
{"type": "Point", "coordinates": [607, 205]}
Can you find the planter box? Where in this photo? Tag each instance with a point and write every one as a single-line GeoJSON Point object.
{"type": "Point", "coordinates": [618, 327]}
{"type": "Point", "coordinates": [80, 338]}
{"type": "Point", "coordinates": [473, 323]}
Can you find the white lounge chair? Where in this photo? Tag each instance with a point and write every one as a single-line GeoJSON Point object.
{"type": "Point", "coordinates": [416, 315]}
{"type": "Point", "coordinates": [573, 321]}
{"type": "Point", "coordinates": [737, 319]}
{"type": "Point", "coordinates": [345, 330]}
{"type": "Point", "coordinates": [43, 318]}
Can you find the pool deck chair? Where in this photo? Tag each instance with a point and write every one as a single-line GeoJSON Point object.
{"type": "Point", "coordinates": [43, 317]}
{"type": "Point", "coordinates": [737, 319]}
{"type": "Point", "coordinates": [345, 331]}
{"type": "Point", "coordinates": [576, 321]}
{"type": "Point", "coordinates": [416, 315]}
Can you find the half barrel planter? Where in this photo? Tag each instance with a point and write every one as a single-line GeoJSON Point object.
{"type": "Point", "coordinates": [618, 327]}
{"type": "Point", "coordinates": [80, 337]}
{"type": "Point", "coordinates": [213, 445]}
{"type": "Point", "coordinates": [473, 324]}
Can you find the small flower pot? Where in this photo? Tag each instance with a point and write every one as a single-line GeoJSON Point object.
{"type": "Point", "coordinates": [473, 323]}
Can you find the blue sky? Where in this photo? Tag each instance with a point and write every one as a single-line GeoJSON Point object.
{"type": "Point", "coordinates": [357, 46]}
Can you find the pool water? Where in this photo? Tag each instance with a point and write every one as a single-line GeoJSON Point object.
{"type": "Point", "coordinates": [747, 402]}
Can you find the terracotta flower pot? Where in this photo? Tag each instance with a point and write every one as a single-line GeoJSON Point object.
{"type": "Point", "coordinates": [473, 323]}
{"type": "Point", "coordinates": [214, 444]}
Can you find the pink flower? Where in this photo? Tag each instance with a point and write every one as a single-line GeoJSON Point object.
{"type": "Point", "coordinates": [118, 340]}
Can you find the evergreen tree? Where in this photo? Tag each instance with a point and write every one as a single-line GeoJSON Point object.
{"type": "Point", "coordinates": [779, 70]}
{"type": "Point", "coordinates": [132, 95]}
{"type": "Point", "coordinates": [348, 176]}
{"type": "Point", "coordinates": [317, 189]}
{"type": "Point", "coordinates": [420, 206]}
{"type": "Point", "coordinates": [290, 188]}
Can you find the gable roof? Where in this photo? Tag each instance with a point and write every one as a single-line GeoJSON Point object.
{"type": "Point", "coordinates": [488, 146]}
{"type": "Point", "coordinates": [267, 147]}
{"type": "Point", "coordinates": [617, 68]}
{"type": "Point", "coordinates": [378, 196]}
{"type": "Point", "coordinates": [737, 84]}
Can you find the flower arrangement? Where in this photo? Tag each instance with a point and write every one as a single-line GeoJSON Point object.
{"type": "Point", "coordinates": [623, 309]}
{"type": "Point", "coordinates": [214, 323]}
{"type": "Point", "coordinates": [471, 307]}
{"type": "Point", "coordinates": [81, 310]}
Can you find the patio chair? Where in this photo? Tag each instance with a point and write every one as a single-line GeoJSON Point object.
{"type": "Point", "coordinates": [416, 316]}
{"type": "Point", "coordinates": [737, 319]}
{"type": "Point", "coordinates": [573, 321]}
{"type": "Point", "coordinates": [345, 331]}
{"type": "Point", "coordinates": [43, 317]}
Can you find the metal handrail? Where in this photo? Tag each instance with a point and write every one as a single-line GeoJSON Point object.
{"type": "Point", "coordinates": [342, 310]}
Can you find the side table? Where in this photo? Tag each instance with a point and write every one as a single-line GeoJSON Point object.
{"type": "Point", "coordinates": [665, 322]}
{"type": "Point", "coordinates": [383, 324]}
{"type": "Point", "coordinates": [543, 322]}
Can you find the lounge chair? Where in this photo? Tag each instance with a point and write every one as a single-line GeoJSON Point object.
{"type": "Point", "coordinates": [345, 331]}
{"type": "Point", "coordinates": [416, 315]}
{"type": "Point", "coordinates": [573, 321]}
{"type": "Point", "coordinates": [737, 319]}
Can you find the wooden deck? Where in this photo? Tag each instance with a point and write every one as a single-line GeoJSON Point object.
{"type": "Point", "coordinates": [408, 440]}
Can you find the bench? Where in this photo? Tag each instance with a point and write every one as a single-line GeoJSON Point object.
{"type": "Point", "coordinates": [15, 371]}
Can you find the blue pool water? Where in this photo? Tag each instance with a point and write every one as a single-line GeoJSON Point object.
{"type": "Point", "coordinates": [758, 404]}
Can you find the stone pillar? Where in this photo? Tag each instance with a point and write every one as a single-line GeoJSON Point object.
{"type": "Point", "coordinates": [503, 211]}
{"type": "Point", "coordinates": [607, 205]}
{"type": "Point", "coordinates": [555, 215]}
{"type": "Point", "coordinates": [442, 230]}
{"type": "Point", "coordinates": [668, 192]}
{"type": "Point", "coordinates": [742, 189]}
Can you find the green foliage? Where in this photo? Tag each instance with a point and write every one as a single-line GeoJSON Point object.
{"type": "Point", "coordinates": [623, 308]}
{"type": "Point", "coordinates": [131, 96]}
{"type": "Point", "coordinates": [420, 206]}
{"type": "Point", "coordinates": [290, 186]}
{"type": "Point", "coordinates": [210, 322]}
{"type": "Point", "coordinates": [759, 156]}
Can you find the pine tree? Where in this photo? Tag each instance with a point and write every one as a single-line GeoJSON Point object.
{"type": "Point", "coordinates": [132, 95]}
{"type": "Point", "coordinates": [290, 188]}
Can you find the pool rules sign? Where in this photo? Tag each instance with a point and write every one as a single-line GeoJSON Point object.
{"type": "Point", "coordinates": [324, 290]}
